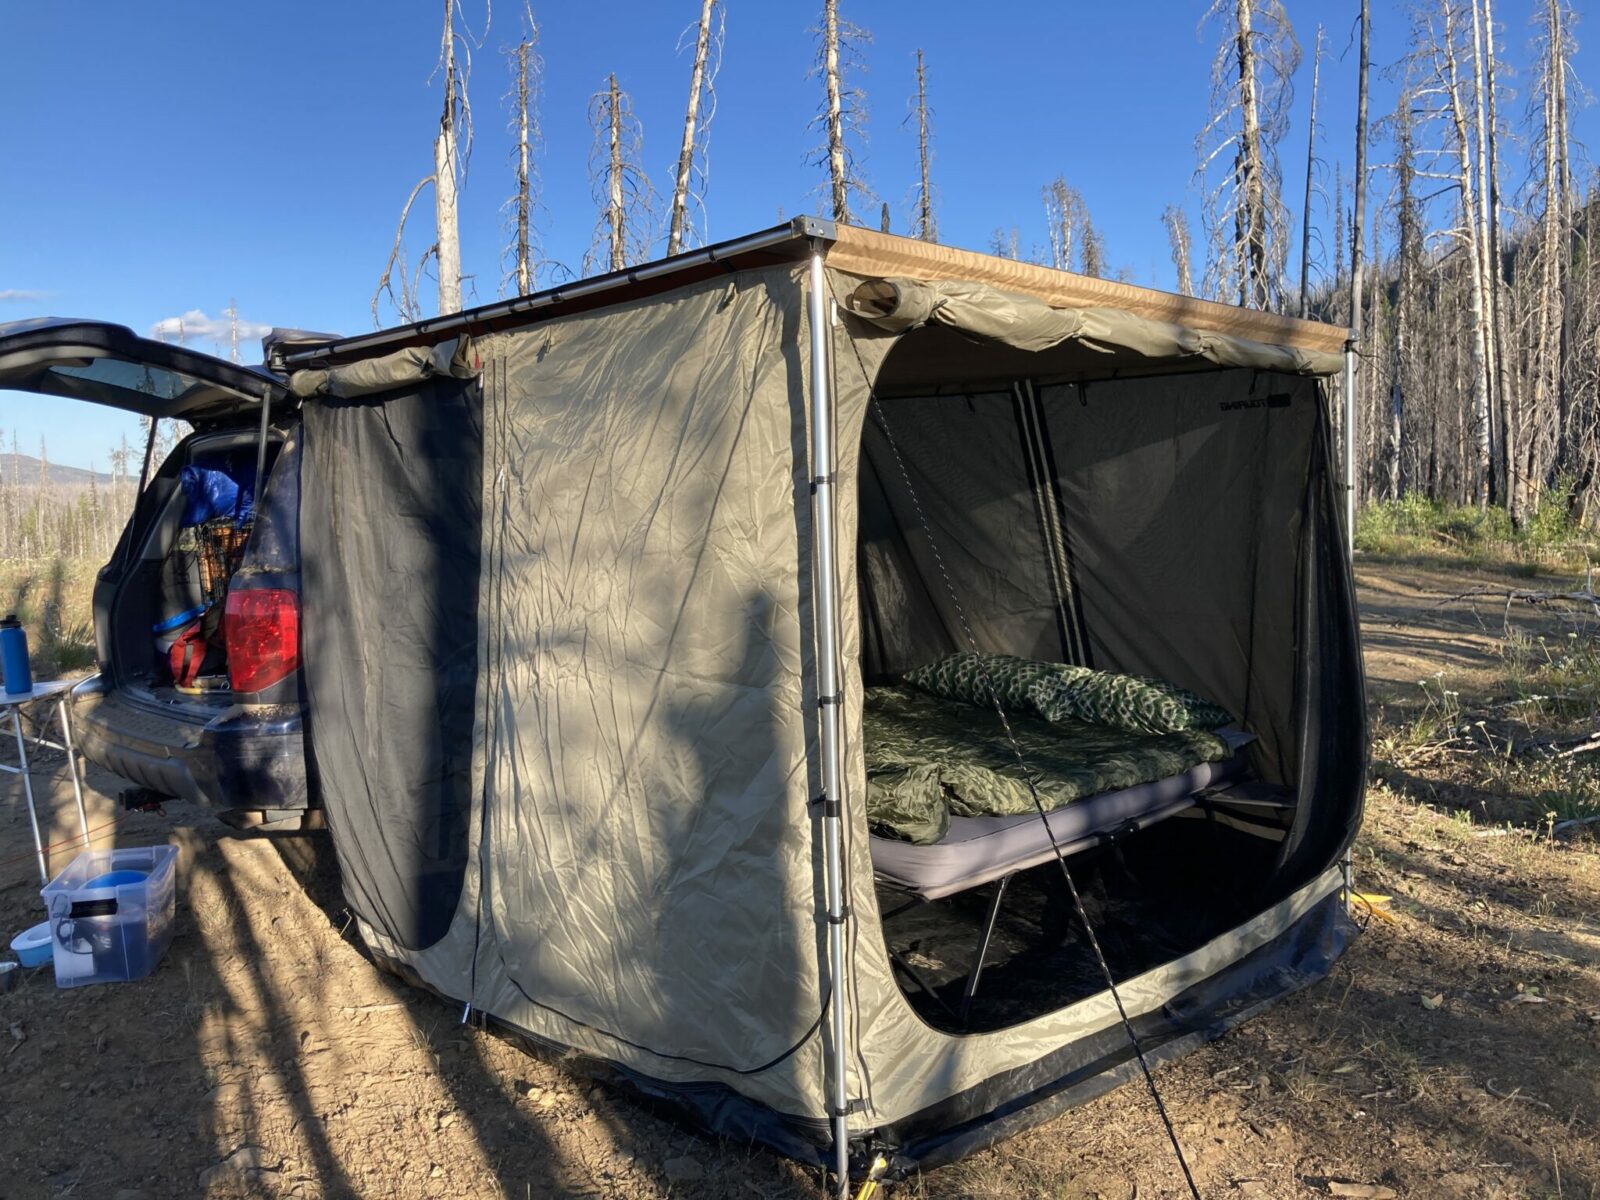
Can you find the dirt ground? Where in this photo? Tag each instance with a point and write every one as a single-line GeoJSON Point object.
{"type": "Point", "coordinates": [1454, 1052]}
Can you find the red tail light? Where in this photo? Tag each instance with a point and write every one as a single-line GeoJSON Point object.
{"type": "Point", "coordinates": [262, 629]}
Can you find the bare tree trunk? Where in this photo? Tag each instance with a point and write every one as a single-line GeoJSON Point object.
{"type": "Point", "coordinates": [1501, 403]}
{"type": "Point", "coordinates": [1062, 208]}
{"type": "Point", "coordinates": [1487, 264]}
{"type": "Point", "coordinates": [1473, 242]}
{"type": "Point", "coordinates": [1408, 253]}
{"type": "Point", "coordinates": [446, 162]}
{"type": "Point", "coordinates": [524, 197]}
{"type": "Point", "coordinates": [1564, 224]}
{"type": "Point", "coordinates": [1311, 160]}
{"type": "Point", "coordinates": [626, 225]}
{"type": "Point", "coordinates": [1182, 247]}
{"type": "Point", "coordinates": [924, 226]}
{"type": "Point", "coordinates": [1546, 420]}
{"type": "Point", "coordinates": [838, 168]}
{"type": "Point", "coordinates": [691, 124]}
{"type": "Point", "coordinates": [617, 254]}
{"type": "Point", "coordinates": [1358, 233]}
{"type": "Point", "coordinates": [1255, 288]}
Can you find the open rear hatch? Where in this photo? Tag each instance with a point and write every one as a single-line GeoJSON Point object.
{"type": "Point", "coordinates": [109, 364]}
{"type": "Point", "coordinates": [168, 578]}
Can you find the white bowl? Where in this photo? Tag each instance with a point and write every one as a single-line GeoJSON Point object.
{"type": "Point", "coordinates": [32, 946]}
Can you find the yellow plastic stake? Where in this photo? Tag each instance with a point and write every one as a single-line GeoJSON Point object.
{"type": "Point", "coordinates": [869, 1189]}
{"type": "Point", "coordinates": [1378, 906]}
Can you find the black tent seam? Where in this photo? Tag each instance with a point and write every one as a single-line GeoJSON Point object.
{"type": "Point", "coordinates": [1021, 402]}
{"type": "Point", "coordinates": [683, 1058]}
{"type": "Point", "coordinates": [1053, 518]}
{"type": "Point", "coordinates": [1069, 560]}
{"type": "Point", "coordinates": [497, 543]}
{"type": "Point", "coordinates": [1030, 469]}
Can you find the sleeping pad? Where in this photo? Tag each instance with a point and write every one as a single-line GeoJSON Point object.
{"type": "Point", "coordinates": [929, 758]}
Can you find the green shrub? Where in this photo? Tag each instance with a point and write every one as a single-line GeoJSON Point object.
{"type": "Point", "coordinates": [1415, 526]}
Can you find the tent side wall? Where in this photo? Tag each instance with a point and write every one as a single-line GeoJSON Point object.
{"type": "Point", "coordinates": [641, 879]}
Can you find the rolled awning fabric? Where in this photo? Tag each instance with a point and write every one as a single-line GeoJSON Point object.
{"type": "Point", "coordinates": [900, 304]}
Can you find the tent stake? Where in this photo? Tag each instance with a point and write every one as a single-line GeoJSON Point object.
{"type": "Point", "coordinates": [825, 580]}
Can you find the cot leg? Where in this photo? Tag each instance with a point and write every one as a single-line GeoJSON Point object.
{"type": "Point", "coordinates": [72, 767]}
{"type": "Point", "coordinates": [983, 947]}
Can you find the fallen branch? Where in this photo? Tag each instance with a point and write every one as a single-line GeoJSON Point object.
{"type": "Point", "coordinates": [1563, 828]}
{"type": "Point", "coordinates": [1513, 1094]}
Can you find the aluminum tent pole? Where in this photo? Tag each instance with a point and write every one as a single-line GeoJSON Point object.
{"type": "Point", "coordinates": [829, 706]}
{"type": "Point", "coordinates": [1350, 446]}
{"type": "Point", "coordinates": [1347, 864]}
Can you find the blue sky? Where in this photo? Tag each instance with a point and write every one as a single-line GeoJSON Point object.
{"type": "Point", "coordinates": [163, 159]}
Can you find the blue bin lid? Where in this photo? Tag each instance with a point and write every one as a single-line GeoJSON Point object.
{"type": "Point", "coordinates": [177, 622]}
{"type": "Point", "coordinates": [117, 879]}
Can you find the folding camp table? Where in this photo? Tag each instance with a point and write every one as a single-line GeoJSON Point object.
{"type": "Point", "coordinates": [59, 693]}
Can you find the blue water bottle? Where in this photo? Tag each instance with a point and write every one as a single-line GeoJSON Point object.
{"type": "Point", "coordinates": [14, 656]}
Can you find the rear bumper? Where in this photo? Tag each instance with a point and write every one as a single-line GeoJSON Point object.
{"type": "Point", "coordinates": [238, 762]}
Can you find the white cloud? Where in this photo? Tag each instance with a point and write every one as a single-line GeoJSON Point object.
{"type": "Point", "coordinates": [21, 295]}
{"type": "Point", "coordinates": [195, 328]}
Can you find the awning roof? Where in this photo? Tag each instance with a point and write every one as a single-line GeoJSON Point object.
{"type": "Point", "coordinates": [859, 252]}
{"type": "Point", "coordinates": [881, 255]}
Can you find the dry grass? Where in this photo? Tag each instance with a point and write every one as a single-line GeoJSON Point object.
{"type": "Point", "coordinates": [54, 600]}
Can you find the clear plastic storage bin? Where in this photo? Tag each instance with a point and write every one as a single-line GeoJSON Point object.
{"type": "Point", "coordinates": [111, 914]}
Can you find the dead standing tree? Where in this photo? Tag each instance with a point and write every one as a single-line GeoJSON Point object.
{"type": "Point", "coordinates": [1546, 438]}
{"type": "Point", "coordinates": [625, 229]}
{"type": "Point", "coordinates": [527, 73]}
{"type": "Point", "coordinates": [1502, 398]}
{"type": "Point", "coordinates": [1409, 269]}
{"type": "Point", "coordinates": [1358, 236]}
{"type": "Point", "coordinates": [1075, 244]}
{"type": "Point", "coordinates": [923, 223]}
{"type": "Point", "coordinates": [702, 106]}
{"type": "Point", "coordinates": [1311, 181]}
{"type": "Point", "coordinates": [1181, 243]}
{"type": "Point", "coordinates": [843, 117]}
{"type": "Point", "coordinates": [1245, 217]}
{"type": "Point", "coordinates": [452, 148]}
{"type": "Point", "coordinates": [1446, 101]}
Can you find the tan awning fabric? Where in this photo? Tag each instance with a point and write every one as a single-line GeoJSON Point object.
{"type": "Point", "coordinates": [899, 305]}
{"type": "Point", "coordinates": [872, 255]}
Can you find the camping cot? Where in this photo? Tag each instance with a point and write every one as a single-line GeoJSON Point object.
{"type": "Point", "coordinates": [597, 582]}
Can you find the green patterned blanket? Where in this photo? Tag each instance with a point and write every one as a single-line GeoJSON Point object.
{"type": "Point", "coordinates": [929, 758]}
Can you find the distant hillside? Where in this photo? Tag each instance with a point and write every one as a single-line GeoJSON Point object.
{"type": "Point", "coordinates": [26, 469]}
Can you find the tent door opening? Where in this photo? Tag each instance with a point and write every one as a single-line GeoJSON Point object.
{"type": "Point", "coordinates": [984, 510]}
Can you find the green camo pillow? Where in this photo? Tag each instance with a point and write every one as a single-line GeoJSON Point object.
{"type": "Point", "coordinates": [1130, 702]}
{"type": "Point", "coordinates": [1063, 692]}
{"type": "Point", "coordinates": [1018, 683]}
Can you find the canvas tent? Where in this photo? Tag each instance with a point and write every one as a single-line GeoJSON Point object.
{"type": "Point", "coordinates": [595, 582]}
